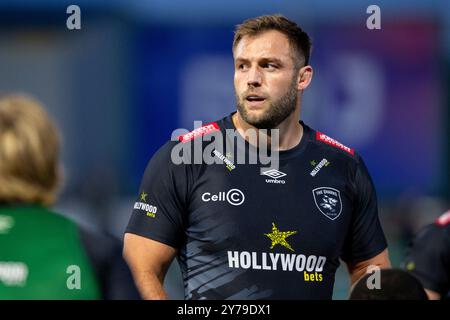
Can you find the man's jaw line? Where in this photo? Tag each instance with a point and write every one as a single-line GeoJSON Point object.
{"type": "Point", "coordinates": [290, 123]}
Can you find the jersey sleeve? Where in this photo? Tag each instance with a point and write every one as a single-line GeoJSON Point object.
{"type": "Point", "coordinates": [159, 210]}
{"type": "Point", "coordinates": [429, 258]}
{"type": "Point", "coordinates": [366, 237]}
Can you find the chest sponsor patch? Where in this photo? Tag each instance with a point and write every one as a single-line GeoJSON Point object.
{"type": "Point", "coordinates": [326, 139]}
{"type": "Point", "coordinates": [328, 201]}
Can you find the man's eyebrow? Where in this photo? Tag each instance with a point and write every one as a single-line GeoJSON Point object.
{"type": "Point", "coordinates": [240, 59]}
{"type": "Point", "coordinates": [272, 59]}
{"type": "Point", "coordinates": [263, 59]}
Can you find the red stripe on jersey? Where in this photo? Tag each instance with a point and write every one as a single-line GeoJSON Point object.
{"type": "Point", "coordinates": [207, 128]}
{"type": "Point", "coordinates": [324, 138]}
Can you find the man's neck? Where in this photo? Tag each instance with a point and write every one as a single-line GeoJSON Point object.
{"type": "Point", "coordinates": [290, 130]}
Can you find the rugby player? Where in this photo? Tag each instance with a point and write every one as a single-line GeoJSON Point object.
{"type": "Point", "coordinates": [240, 233]}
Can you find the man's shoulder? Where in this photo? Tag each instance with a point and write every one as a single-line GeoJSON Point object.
{"type": "Point", "coordinates": [199, 132]}
{"type": "Point", "coordinates": [183, 144]}
{"type": "Point", "coordinates": [330, 145]}
{"type": "Point", "coordinates": [203, 132]}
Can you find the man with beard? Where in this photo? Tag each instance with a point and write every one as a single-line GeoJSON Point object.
{"type": "Point", "coordinates": [245, 230]}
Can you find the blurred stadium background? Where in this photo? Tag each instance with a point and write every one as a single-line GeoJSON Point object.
{"type": "Point", "coordinates": [139, 69]}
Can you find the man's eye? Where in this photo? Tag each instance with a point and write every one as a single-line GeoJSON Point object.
{"type": "Point", "coordinates": [270, 66]}
{"type": "Point", "coordinates": [241, 66]}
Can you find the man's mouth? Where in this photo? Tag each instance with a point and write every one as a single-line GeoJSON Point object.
{"type": "Point", "coordinates": [255, 100]}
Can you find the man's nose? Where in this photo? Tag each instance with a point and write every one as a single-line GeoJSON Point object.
{"type": "Point", "coordinates": [254, 77]}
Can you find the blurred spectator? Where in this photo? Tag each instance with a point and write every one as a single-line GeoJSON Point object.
{"type": "Point", "coordinates": [395, 284]}
{"type": "Point", "coordinates": [429, 257]}
{"type": "Point", "coordinates": [44, 255]}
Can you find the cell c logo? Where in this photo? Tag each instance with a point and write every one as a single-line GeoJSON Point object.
{"type": "Point", "coordinates": [235, 197]}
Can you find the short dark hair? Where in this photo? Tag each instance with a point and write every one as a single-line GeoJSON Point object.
{"type": "Point", "coordinates": [396, 284]}
{"type": "Point", "coordinates": [298, 39]}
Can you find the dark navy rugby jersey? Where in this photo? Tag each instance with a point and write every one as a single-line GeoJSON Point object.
{"type": "Point", "coordinates": [241, 234]}
{"type": "Point", "coordinates": [429, 256]}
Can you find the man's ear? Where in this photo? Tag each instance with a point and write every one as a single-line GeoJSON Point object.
{"type": "Point", "coordinates": [304, 77]}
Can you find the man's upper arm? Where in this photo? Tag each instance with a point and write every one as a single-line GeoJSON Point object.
{"type": "Point", "coordinates": [146, 255]}
{"type": "Point", "coordinates": [358, 269]}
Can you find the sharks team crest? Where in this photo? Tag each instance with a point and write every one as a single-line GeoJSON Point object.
{"type": "Point", "coordinates": [328, 201]}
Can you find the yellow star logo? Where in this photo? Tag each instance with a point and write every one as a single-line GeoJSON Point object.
{"type": "Point", "coordinates": [143, 196]}
{"type": "Point", "coordinates": [279, 237]}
